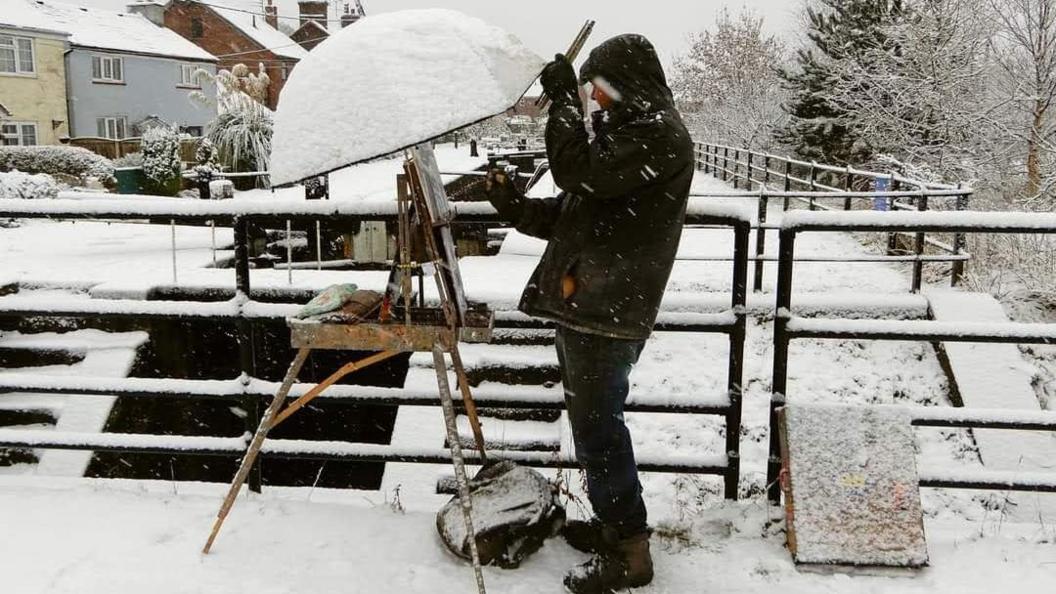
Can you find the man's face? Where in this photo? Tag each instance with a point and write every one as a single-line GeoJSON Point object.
{"type": "Point", "coordinates": [604, 101]}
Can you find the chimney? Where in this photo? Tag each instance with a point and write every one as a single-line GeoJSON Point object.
{"type": "Point", "coordinates": [350, 15]}
{"type": "Point", "coordinates": [152, 11]}
{"type": "Point", "coordinates": [271, 15]}
{"type": "Point", "coordinates": [313, 10]}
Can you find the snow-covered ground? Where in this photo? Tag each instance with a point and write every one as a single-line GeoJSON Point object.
{"type": "Point", "coordinates": [87, 537]}
{"type": "Point", "coordinates": [353, 541]}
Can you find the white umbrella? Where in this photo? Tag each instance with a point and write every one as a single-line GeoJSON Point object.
{"type": "Point", "coordinates": [391, 81]}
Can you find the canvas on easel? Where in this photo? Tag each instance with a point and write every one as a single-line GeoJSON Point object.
{"type": "Point", "coordinates": [427, 183]}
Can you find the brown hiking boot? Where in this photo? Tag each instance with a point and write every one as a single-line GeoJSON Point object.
{"type": "Point", "coordinates": [591, 536]}
{"type": "Point", "coordinates": [627, 565]}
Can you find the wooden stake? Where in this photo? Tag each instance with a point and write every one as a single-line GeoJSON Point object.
{"type": "Point", "coordinates": [467, 401]}
{"type": "Point", "coordinates": [334, 377]}
{"type": "Point", "coordinates": [255, 445]}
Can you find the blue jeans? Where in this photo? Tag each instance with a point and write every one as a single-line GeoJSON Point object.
{"type": "Point", "coordinates": [594, 372]}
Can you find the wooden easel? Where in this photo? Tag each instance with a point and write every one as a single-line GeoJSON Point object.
{"type": "Point", "coordinates": [424, 215]}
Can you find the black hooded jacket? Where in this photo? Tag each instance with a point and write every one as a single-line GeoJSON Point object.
{"type": "Point", "coordinates": [616, 227]}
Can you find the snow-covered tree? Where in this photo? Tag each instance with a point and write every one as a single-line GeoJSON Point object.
{"type": "Point", "coordinates": [1025, 47]}
{"type": "Point", "coordinates": [920, 96]}
{"type": "Point", "coordinates": [838, 31]}
{"type": "Point", "coordinates": [726, 83]}
{"type": "Point", "coordinates": [161, 159]}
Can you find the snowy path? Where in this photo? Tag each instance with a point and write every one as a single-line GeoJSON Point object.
{"type": "Point", "coordinates": [94, 537]}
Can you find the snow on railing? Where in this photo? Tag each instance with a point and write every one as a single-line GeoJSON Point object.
{"type": "Point", "coordinates": [788, 326]}
{"type": "Point", "coordinates": [759, 160]}
{"type": "Point", "coordinates": [414, 393]}
{"type": "Point", "coordinates": [920, 329]}
{"type": "Point", "coordinates": [975, 221]}
{"type": "Point", "coordinates": [999, 480]}
{"type": "Point", "coordinates": [329, 450]}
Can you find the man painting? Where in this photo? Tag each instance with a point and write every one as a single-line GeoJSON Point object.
{"type": "Point", "coordinates": [612, 236]}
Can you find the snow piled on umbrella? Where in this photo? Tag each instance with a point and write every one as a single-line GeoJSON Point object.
{"type": "Point", "coordinates": [391, 81]}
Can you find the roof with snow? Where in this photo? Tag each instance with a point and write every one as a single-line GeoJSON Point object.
{"type": "Point", "coordinates": [114, 31]}
{"type": "Point", "coordinates": [23, 14]}
{"type": "Point", "coordinates": [257, 29]}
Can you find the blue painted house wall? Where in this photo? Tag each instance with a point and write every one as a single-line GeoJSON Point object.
{"type": "Point", "coordinates": [151, 87]}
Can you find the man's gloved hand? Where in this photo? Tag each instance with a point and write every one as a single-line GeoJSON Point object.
{"type": "Point", "coordinates": [503, 193]}
{"type": "Point", "coordinates": [559, 80]}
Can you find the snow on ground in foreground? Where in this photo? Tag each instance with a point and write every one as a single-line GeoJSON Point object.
{"type": "Point", "coordinates": [95, 537]}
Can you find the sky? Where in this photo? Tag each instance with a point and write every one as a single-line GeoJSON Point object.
{"type": "Point", "coordinates": [548, 26]}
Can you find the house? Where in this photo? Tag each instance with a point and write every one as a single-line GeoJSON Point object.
{"type": "Point", "coordinates": [32, 77]}
{"type": "Point", "coordinates": [313, 28]}
{"type": "Point", "coordinates": [123, 71]}
{"type": "Point", "coordinates": [235, 34]}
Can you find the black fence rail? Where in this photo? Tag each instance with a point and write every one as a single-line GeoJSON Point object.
{"type": "Point", "coordinates": [818, 186]}
{"type": "Point", "coordinates": [247, 315]}
{"type": "Point", "coordinates": [788, 327]}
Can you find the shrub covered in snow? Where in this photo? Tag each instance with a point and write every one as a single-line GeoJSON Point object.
{"type": "Point", "coordinates": [53, 160]}
{"type": "Point", "coordinates": [15, 184]}
{"type": "Point", "coordinates": [242, 136]}
{"type": "Point", "coordinates": [205, 157]}
{"type": "Point", "coordinates": [161, 160]}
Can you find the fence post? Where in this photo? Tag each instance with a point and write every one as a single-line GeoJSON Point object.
{"type": "Point", "coordinates": [786, 257]}
{"type": "Point", "coordinates": [735, 371]}
{"type": "Point", "coordinates": [736, 162]}
{"type": "Point", "coordinates": [766, 168]}
{"type": "Point", "coordinates": [957, 270]}
{"type": "Point", "coordinates": [749, 169]}
{"type": "Point", "coordinates": [848, 187]}
{"type": "Point", "coordinates": [760, 241]}
{"type": "Point", "coordinates": [244, 335]}
{"type": "Point", "coordinates": [788, 183]}
{"type": "Point", "coordinates": [918, 248]}
{"type": "Point", "coordinates": [813, 183]}
{"type": "Point", "coordinates": [892, 238]}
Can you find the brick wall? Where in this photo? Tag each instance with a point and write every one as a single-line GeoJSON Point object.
{"type": "Point", "coordinates": [219, 37]}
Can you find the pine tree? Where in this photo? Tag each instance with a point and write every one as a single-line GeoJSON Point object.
{"type": "Point", "coordinates": [839, 30]}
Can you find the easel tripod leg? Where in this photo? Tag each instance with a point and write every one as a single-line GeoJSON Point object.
{"type": "Point", "coordinates": [467, 402]}
{"type": "Point", "coordinates": [459, 462]}
{"type": "Point", "coordinates": [256, 444]}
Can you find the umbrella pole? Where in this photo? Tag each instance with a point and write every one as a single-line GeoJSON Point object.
{"type": "Point", "coordinates": [543, 102]}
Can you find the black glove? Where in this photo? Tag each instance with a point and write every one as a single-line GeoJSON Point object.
{"type": "Point", "coordinates": [503, 194]}
{"type": "Point", "coordinates": [559, 80]}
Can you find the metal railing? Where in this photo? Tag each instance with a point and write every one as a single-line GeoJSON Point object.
{"type": "Point", "coordinates": [788, 327]}
{"type": "Point", "coordinates": [246, 315]}
{"type": "Point", "coordinates": [765, 177]}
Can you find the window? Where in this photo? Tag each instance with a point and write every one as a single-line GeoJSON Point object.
{"type": "Point", "coordinates": [195, 131]}
{"type": "Point", "coordinates": [285, 72]}
{"type": "Point", "coordinates": [16, 55]}
{"type": "Point", "coordinates": [189, 76]}
{"type": "Point", "coordinates": [18, 134]}
{"type": "Point", "coordinates": [196, 28]}
{"type": "Point", "coordinates": [112, 127]}
{"type": "Point", "coordinates": [107, 69]}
